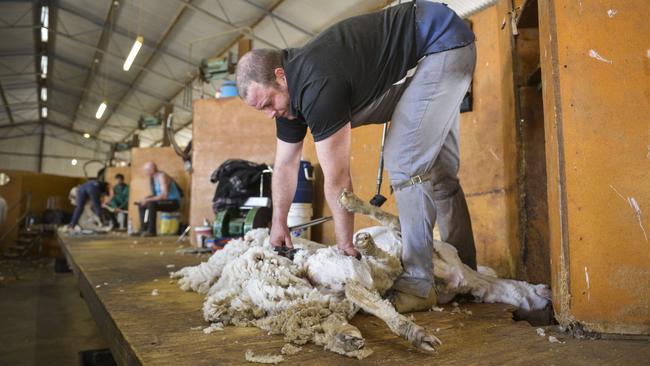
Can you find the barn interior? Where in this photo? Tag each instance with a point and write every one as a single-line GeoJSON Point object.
{"type": "Point", "coordinates": [94, 91]}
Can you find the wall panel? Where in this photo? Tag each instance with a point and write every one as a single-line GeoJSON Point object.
{"type": "Point", "coordinates": [596, 75]}
{"type": "Point", "coordinates": [40, 187]}
{"type": "Point", "coordinates": [225, 129]}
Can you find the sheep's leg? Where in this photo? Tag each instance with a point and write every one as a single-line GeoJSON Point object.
{"type": "Point", "coordinates": [364, 243]}
{"type": "Point", "coordinates": [453, 277]}
{"type": "Point", "coordinates": [341, 336]}
{"type": "Point", "coordinates": [385, 267]}
{"type": "Point", "coordinates": [352, 203]}
{"type": "Point", "coordinates": [371, 302]}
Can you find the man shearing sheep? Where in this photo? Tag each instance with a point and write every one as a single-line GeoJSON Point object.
{"type": "Point", "coordinates": [359, 71]}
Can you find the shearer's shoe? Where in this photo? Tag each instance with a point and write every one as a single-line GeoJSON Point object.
{"type": "Point", "coordinates": [407, 303]}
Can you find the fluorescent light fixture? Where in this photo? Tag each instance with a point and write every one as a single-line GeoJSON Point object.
{"type": "Point", "coordinates": [44, 112]}
{"type": "Point", "coordinates": [44, 94]}
{"type": "Point", "coordinates": [45, 16]}
{"type": "Point", "coordinates": [134, 52]}
{"type": "Point", "coordinates": [45, 23]}
{"type": "Point", "coordinates": [100, 110]}
{"type": "Point", "coordinates": [87, 135]}
{"type": "Point", "coordinates": [73, 161]}
{"type": "Point", "coordinates": [44, 66]}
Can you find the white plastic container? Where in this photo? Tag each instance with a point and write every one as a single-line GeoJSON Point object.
{"type": "Point", "coordinates": [202, 233]}
{"type": "Point", "coordinates": [300, 213]}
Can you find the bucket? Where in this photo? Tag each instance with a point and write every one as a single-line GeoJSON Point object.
{"type": "Point", "coordinates": [203, 233]}
{"type": "Point", "coordinates": [168, 224]}
{"type": "Point", "coordinates": [228, 89]}
{"type": "Point", "coordinates": [305, 185]}
{"type": "Point", "coordinates": [120, 217]}
{"type": "Point", "coordinates": [300, 213]}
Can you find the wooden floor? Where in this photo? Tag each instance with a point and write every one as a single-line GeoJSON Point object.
{"type": "Point", "coordinates": [118, 274]}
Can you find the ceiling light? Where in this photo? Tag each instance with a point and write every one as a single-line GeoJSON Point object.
{"type": "Point", "coordinates": [44, 34]}
{"type": "Point", "coordinates": [44, 112]}
{"type": "Point", "coordinates": [44, 94]}
{"type": "Point", "coordinates": [44, 66]}
{"type": "Point", "coordinates": [134, 52]}
{"type": "Point", "coordinates": [100, 110]}
{"type": "Point", "coordinates": [73, 162]}
{"type": "Point", "coordinates": [87, 135]}
{"type": "Point", "coordinates": [45, 16]}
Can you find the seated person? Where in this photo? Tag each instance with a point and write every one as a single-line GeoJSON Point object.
{"type": "Point", "coordinates": [120, 199]}
{"type": "Point", "coordinates": [118, 204]}
{"type": "Point", "coordinates": [166, 197]}
{"type": "Point", "coordinates": [91, 190]}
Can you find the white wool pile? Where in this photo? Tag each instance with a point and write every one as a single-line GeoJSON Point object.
{"type": "Point", "coordinates": [249, 284]}
{"type": "Point", "coordinates": [258, 283]}
{"type": "Point", "coordinates": [266, 359]}
{"type": "Point", "coordinates": [199, 278]}
{"type": "Point", "coordinates": [329, 269]}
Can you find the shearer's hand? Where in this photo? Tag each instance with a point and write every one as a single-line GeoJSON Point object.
{"type": "Point", "coordinates": [280, 235]}
{"type": "Point", "coordinates": [350, 251]}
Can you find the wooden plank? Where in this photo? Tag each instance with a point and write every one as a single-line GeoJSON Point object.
{"type": "Point", "coordinates": [597, 161]}
{"type": "Point", "coordinates": [118, 274]}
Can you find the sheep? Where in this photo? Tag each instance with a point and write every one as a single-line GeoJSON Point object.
{"type": "Point", "coordinates": [88, 220]}
{"type": "Point", "coordinates": [312, 297]}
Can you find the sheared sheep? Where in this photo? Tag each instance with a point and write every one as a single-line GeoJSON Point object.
{"type": "Point", "coordinates": [312, 297]}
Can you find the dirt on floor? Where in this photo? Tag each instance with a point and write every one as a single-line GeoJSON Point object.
{"type": "Point", "coordinates": [43, 319]}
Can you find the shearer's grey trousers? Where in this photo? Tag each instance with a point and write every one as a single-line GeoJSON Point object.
{"type": "Point", "coordinates": [423, 140]}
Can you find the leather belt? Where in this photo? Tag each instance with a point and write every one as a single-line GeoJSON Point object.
{"type": "Point", "coordinates": [418, 179]}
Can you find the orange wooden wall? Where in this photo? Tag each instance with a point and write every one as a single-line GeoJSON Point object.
{"type": "Point", "coordinates": [41, 187]}
{"type": "Point", "coordinates": [225, 129]}
{"type": "Point", "coordinates": [596, 80]}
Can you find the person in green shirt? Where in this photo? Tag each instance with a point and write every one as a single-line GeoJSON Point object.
{"type": "Point", "coordinates": [120, 199]}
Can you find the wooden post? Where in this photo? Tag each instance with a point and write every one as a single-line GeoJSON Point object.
{"type": "Point", "coordinates": [167, 111]}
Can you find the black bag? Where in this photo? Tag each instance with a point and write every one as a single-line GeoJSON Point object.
{"type": "Point", "coordinates": [237, 180]}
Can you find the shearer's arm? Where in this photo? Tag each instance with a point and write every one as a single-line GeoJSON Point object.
{"type": "Point", "coordinates": [334, 157]}
{"type": "Point", "coordinates": [285, 178]}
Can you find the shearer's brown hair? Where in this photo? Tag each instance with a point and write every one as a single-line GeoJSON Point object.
{"type": "Point", "coordinates": [257, 66]}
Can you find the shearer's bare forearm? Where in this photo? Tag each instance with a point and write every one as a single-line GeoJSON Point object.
{"type": "Point", "coordinates": [343, 220]}
{"type": "Point", "coordinates": [285, 178]}
{"type": "Point", "coordinates": [334, 157]}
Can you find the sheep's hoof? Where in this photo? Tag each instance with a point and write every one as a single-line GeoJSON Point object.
{"type": "Point", "coordinates": [349, 201]}
{"type": "Point", "coordinates": [362, 240]}
{"type": "Point", "coordinates": [543, 291]}
{"type": "Point", "coordinates": [348, 343]}
{"type": "Point", "coordinates": [426, 342]}
{"type": "Point", "coordinates": [421, 339]}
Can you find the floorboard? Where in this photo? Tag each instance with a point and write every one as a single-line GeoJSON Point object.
{"type": "Point", "coordinates": [118, 274]}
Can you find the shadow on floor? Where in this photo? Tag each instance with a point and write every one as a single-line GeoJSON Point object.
{"type": "Point", "coordinates": [43, 320]}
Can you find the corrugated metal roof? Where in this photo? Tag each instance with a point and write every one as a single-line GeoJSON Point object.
{"type": "Point", "coordinates": [85, 70]}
